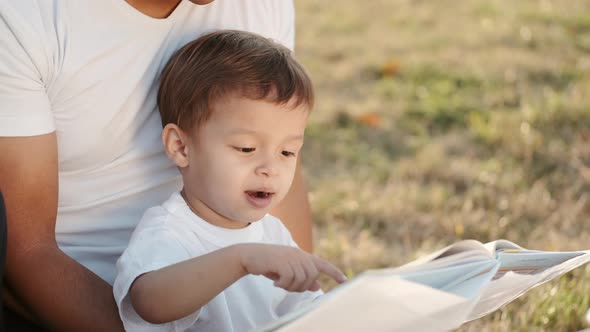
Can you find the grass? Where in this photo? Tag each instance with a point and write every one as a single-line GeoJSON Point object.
{"type": "Point", "coordinates": [443, 120]}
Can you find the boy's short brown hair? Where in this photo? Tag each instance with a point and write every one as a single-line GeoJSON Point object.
{"type": "Point", "coordinates": [227, 62]}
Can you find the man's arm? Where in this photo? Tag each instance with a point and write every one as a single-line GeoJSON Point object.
{"type": "Point", "coordinates": [62, 294]}
{"type": "Point", "coordinates": [295, 212]}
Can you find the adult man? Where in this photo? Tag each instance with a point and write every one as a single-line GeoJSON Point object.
{"type": "Point", "coordinates": [77, 112]}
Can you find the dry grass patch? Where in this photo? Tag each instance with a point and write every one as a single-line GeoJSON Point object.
{"type": "Point", "coordinates": [443, 120]}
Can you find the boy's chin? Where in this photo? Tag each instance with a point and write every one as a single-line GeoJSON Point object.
{"type": "Point", "coordinates": [248, 221]}
{"type": "Point", "coordinates": [252, 218]}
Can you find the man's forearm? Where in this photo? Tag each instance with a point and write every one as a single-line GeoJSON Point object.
{"type": "Point", "coordinates": [61, 293]}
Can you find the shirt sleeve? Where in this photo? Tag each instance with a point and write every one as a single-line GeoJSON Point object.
{"type": "Point", "coordinates": [25, 108]}
{"type": "Point", "coordinates": [150, 249]}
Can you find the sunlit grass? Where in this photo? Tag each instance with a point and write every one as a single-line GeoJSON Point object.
{"type": "Point", "coordinates": [442, 120]}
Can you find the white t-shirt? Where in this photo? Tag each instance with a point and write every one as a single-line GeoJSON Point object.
{"type": "Point", "coordinates": [172, 233]}
{"type": "Point", "coordinates": [88, 69]}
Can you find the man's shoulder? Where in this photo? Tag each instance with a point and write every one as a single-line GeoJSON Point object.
{"type": "Point", "coordinates": [32, 28]}
{"type": "Point", "coordinates": [35, 11]}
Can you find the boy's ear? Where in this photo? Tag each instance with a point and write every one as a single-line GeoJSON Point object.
{"type": "Point", "coordinates": [175, 144]}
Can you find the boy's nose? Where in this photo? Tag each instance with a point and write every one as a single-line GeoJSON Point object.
{"type": "Point", "coordinates": [267, 168]}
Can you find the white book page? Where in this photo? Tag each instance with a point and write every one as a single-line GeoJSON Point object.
{"type": "Point", "coordinates": [446, 256]}
{"type": "Point", "coordinates": [508, 285]}
{"type": "Point", "coordinates": [500, 245]}
{"type": "Point", "coordinates": [473, 283]}
{"type": "Point", "coordinates": [532, 262]}
{"type": "Point", "coordinates": [384, 303]}
{"type": "Point", "coordinates": [438, 292]}
{"type": "Point", "coordinates": [450, 279]}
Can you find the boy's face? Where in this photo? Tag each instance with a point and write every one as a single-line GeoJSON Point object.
{"type": "Point", "coordinates": [242, 160]}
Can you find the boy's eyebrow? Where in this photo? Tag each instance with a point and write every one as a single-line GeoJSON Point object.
{"type": "Point", "coordinates": [295, 138]}
{"type": "Point", "coordinates": [244, 131]}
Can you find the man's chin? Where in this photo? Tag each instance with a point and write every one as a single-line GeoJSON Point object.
{"type": "Point", "coordinates": [201, 2]}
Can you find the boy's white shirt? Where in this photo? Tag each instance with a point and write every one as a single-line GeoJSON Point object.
{"type": "Point", "coordinates": [88, 70]}
{"type": "Point", "coordinates": [172, 233]}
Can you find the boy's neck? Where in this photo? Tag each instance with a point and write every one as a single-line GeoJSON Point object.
{"type": "Point", "coordinates": [213, 217]}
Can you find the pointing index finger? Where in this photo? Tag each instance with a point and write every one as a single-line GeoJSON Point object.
{"type": "Point", "coordinates": [329, 269]}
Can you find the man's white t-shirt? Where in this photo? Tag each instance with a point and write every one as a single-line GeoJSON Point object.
{"type": "Point", "coordinates": [88, 70]}
{"type": "Point", "coordinates": [172, 233]}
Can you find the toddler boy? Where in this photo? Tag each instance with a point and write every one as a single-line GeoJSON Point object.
{"type": "Point", "coordinates": [234, 107]}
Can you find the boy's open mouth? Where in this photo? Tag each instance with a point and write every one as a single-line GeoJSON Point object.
{"type": "Point", "coordinates": [259, 194]}
{"type": "Point", "coordinates": [259, 199]}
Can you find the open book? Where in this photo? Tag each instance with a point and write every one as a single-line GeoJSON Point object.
{"type": "Point", "coordinates": [439, 292]}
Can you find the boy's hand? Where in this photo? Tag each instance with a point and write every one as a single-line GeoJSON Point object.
{"type": "Point", "coordinates": [291, 268]}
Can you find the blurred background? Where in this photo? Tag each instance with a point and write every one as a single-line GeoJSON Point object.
{"type": "Point", "coordinates": [444, 120]}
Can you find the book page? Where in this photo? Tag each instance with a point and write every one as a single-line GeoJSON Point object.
{"type": "Point", "coordinates": [472, 275]}
{"type": "Point", "coordinates": [376, 303]}
{"type": "Point", "coordinates": [500, 245]}
{"type": "Point", "coordinates": [530, 261]}
{"type": "Point", "coordinates": [436, 294]}
{"type": "Point", "coordinates": [522, 270]}
{"type": "Point", "coordinates": [441, 291]}
{"type": "Point", "coordinates": [453, 253]}
{"type": "Point", "coordinates": [472, 284]}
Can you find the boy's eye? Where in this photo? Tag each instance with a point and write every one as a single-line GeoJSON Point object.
{"type": "Point", "coordinates": [245, 150]}
{"type": "Point", "coordinates": [288, 154]}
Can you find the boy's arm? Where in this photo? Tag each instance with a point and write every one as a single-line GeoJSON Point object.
{"type": "Point", "coordinates": [60, 292]}
{"type": "Point", "coordinates": [178, 290]}
{"type": "Point", "coordinates": [294, 211]}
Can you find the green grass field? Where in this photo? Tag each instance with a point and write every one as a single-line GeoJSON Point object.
{"type": "Point", "coordinates": [443, 120]}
